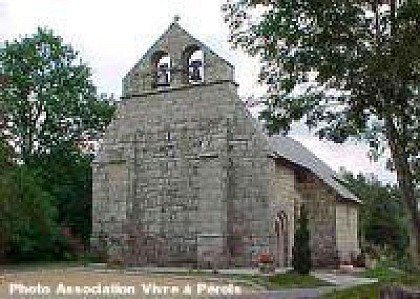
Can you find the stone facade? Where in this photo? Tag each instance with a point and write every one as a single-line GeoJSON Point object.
{"type": "Point", "coordinates": [185, 177]}
{"type": "Point", "coordinates": [320, 201]}
{"type": "Point", "coordinates": [347, 230]}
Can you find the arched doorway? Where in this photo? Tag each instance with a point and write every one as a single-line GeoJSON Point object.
{"type": "Point", "coordinates": [281, 227]}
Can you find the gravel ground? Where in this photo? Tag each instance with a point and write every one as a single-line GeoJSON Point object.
{"type": "Point", "coordinates": [77, 283]}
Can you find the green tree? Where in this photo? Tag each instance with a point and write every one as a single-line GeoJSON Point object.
{"type": "Point", "coordinates": [301, 253]}
{"type": "Point", "coordinates": [48, 98]}
{"type": "Point", "coordinates": [27, 213]}
{"type": "Point", "coordinates": [66, 174]}
{"type": "Point", "coordinates": [382, 218]}
{"type": "Point", "coordinates": [6, 192]}
{"type": "Point", "coordinates": [34, 230]}
{"type": "Point", "coordinates": [346, 68]}
{"type": "Point", "coordinates": [28, 217]}
{"type": "Point", "coordinates": [52, 117]}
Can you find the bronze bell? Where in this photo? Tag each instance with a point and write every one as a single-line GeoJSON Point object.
{"type": "Point", "coordinates": [195, 70]}
{"type": "Point", "coordinates": [162, 75]}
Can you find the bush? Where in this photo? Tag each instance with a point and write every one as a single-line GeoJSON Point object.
{"type": "Point", "coordinates": [29, 218]}
{"type": "Point", "coordinates": [301, 254]}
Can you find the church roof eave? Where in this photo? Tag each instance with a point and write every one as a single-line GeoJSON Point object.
{"type": "Point", "coordinates": [295, 152]}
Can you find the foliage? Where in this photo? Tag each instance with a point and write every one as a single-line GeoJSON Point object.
{"type": "Point", "coordinates": [28, 217]}
{"type": "Point", "coordinates": [383, 221]}
{"type": "Point", "coordinates": [367, 291]}
{"type": "Point", "coordinates": [50, 119]}
{"type": "Point", "coordinates": [383, 273]}
{"type": "Point", "coordinates": [348, 69]}
{"type": "Point", "coordinates": [385, 276]}
{"type": "Point", "coordinates": [66, 174]}
{"type": "Point", "coordinates": [48, 98]}
{"type": "Point", "coordinates": [301, 255]}
{"type": "Point", "coordinates": [6, 192]}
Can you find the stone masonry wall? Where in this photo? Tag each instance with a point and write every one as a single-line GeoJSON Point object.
{"type": "Point", "coordinates": [201, 182]}
{"type": "Point", "coordinates": [286, 199]}
{"type": "Point", "coordinates": [181, 171]}
{"type": "Point", "coordinates": [249, 190]}
{"type": "Point", "coordinates": [185, 155]}
{"type": "Point", "coordinates": [198, 176]}
{"type": "Point", "coordinates": [347, 230]}
{"type": "Point", "coordinates": [175, 42]}
{"type": "Point", "coordinates": [109, 207]}
{"type": "Point", "coordinates": [185, 177]}
{"type": "Point", "coordinates": [320, 201]}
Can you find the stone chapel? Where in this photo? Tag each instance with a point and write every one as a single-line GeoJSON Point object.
{"type": "Point", "coordinates": [186, 177]}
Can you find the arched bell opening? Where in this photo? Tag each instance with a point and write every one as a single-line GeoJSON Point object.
{"type": "Point", "coordinates": [193, 64]}
{"type": "Point", "coordinates": [161, 66]}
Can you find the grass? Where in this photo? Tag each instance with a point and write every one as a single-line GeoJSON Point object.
{"type": "Point", "coordinates": [382, 273]}
{"type": "Point", "coordinates": [359, 292]}
{"type": "Point", "coordinates": [295, 280]}
{"type": "Point", "coordinates": [386, 276]}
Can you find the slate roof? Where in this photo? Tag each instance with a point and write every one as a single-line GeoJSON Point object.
{"type": "Point", "coordinates": [296, 153]}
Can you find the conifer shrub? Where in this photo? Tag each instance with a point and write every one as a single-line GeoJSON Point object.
{"type": "Point", "coordinates": [301, 253]}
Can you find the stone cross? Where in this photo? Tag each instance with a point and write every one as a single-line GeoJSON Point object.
{"type": "Point", "coordinates": [176, 18]}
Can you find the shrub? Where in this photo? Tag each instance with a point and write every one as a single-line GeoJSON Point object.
{"type": "Point", "coordinates": [301, 259]}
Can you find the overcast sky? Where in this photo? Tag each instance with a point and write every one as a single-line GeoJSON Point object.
{"type": "Point", "coordinates": [112, 35]}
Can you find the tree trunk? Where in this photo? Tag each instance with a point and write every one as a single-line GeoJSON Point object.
{"type": "Point", "coordinates": [414, 224]}
{"type": "Point", "coordinates": [406, 185]}
{"type": "Point", "coordinates": [398, 146]}
{"type": "Point", "coordinates": [405, 182]}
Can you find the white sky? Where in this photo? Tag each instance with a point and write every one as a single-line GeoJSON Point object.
{"type": "Point", "coordinates": [112, 35]}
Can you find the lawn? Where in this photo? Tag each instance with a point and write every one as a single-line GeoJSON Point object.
{"type": "Point", "coordinates": [393, 276]}
{"type": "Point", "coordinates": [360, 292]}
{"type": "Point", "coordinates": [386, 276]}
